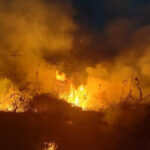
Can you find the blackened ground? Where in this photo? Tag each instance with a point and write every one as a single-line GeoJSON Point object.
{"type": "Point", "coordinates": [122, 127]}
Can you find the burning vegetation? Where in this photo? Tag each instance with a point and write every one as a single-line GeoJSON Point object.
{"type": "Point", "coordinates": [65, 87]}
{"type": "Point", "coordinates": [40, 56]}
{"type": "Point", "coordinates": [66, 90]}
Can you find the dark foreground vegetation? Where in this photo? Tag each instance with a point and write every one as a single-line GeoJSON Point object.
{"type": "Point", "coordinates": [122, 127]}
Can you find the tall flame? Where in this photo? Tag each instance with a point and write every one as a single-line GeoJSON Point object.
{"type": "Point", "coordinates": [75, 96]}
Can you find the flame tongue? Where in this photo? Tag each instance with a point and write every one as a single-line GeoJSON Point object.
{"type": "Point", "coordinates": [60, 77]}
{"type": "Point", "coordinates": [75, 96]}
{"type": "Point", "coordinates": [78, 96]}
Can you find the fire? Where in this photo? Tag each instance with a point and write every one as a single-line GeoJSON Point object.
{"type": "Point", "coordinates": [13, 100]}
{"type": "Point", "coordinates": [50, 146]}
{"type": "Point", "coordinates": [60, 77]}
{"type": "Point", "coordinates": [76, 96]}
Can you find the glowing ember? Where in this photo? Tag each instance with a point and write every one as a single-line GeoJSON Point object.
{"type": "Point", "coordinates": [13, 100]}
{"type": "Point", "coordinates": [50, 146]}
{"type": "Point", "coordinates": [76, 96]}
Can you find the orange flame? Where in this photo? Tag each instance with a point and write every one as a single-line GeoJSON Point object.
{"type": "Point", "coordinates": [50, 146]}
{"type": "Point", "coordinates": [13, 100]}
{"type": "Point", "coordinates": [75, 96]}
{"type": "Point", "coordinates": [60, 76]}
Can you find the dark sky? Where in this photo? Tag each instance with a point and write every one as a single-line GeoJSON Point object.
{"type": "Point", "coordinates": [97, 13]}
{"type": "Point", "coordinates": [110, 24]}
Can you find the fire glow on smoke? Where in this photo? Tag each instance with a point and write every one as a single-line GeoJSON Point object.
{"type": "Point", "coordinates": [51, 46]}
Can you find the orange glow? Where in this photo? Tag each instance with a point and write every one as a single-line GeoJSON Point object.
{"type": "Point", "coordinates": [50, 146]}
{"type": "Point", "coordinates": [12, 100]}
{"type": "Point", "coordinates": [75, 96]}
{"type": "Point", "coordinates": [60, 76]}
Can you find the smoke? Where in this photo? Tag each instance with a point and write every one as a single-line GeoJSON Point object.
{"type": "Point", "coordinates": [28, 29]}
{"type": "Point", "coordinates": [41, 37]}
{"type": "Point", "coordinates": [117, 76]}
{"type": "Point", "coordinates": [38, 38]}
{"type": "Point", "coordinates": [109, 63]}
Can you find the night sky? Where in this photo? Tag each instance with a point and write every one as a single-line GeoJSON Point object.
{"type": "Point", "coordinates": [95, 17]}
{"type": "Point", "coordinates": [98, 13]}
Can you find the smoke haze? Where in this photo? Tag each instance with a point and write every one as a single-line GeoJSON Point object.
{"type": "Point", "coordinates": [38, 38]}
